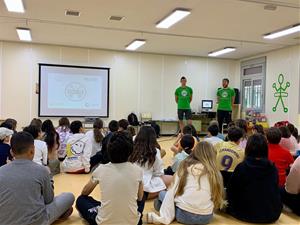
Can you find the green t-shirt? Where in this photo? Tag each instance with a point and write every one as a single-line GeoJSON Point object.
{"type": "Point", "coordinates": [184, 97]}
{"type": "Point", "coordinates": [225, 98]}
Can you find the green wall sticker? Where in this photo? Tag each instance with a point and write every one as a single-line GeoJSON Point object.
{"type": "Point", "coordinates": [281, 93]}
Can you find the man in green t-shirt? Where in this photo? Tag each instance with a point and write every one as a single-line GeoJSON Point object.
{"type": "Point", "coordinates": [183, 98]}
{"type": "Point", "coordinates": [226, 97]}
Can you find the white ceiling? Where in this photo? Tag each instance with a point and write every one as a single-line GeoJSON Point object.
{"type": "Point", "coordinates": [213, 24]}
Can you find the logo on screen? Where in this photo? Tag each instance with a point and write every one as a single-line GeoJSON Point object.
{"type": "Point", "coordinates": [75, 91]}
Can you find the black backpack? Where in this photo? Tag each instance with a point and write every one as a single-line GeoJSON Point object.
{"type": "Point", "coordinates": [156, 127]}
{"type": "Point", "coordinates": [133, 120]}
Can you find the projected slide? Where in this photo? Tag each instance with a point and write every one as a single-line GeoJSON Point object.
{"type": "Point", "coordinates": [73, 91]}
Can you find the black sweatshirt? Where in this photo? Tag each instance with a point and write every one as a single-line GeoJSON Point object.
{"type": "Point", "coordinates": [253, 193]}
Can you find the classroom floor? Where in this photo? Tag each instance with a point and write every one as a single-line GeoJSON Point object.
{"type": "Point", "coordinates": [75, 183]}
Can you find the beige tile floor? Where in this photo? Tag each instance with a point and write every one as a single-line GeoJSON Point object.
{"type": "Point", "coordinates": [75, 183]}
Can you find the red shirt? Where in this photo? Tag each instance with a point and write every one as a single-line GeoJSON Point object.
{"type": "Point", "coordinates": [282, 159]}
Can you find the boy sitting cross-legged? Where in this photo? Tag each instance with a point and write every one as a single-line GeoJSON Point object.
{"type": "Point", "coordinates": [120, 184]}
{"type": "Point", "coordinates": [26, 194]}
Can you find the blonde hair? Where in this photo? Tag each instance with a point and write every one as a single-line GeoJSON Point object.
{"type": "Point", "coordinates": [204, 154]}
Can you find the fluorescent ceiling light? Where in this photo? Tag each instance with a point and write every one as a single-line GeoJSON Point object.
{"type": "Point", "coordinates": [24, 34]}
{"type": "Point", "coordinates": [287, 31]}
{"type": "Point", "coordinates": [222, 51]}
{"type": "Point", "coordinates": [14, 6]}
{"type": "Point", "coordinates": [135, 44]}
{"type": "Point", "coordinates": [174, 17]}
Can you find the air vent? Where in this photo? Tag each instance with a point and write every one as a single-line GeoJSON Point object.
{"type": "Point", "coordinates": [270, 7]}
{"type": "Point", "coordinates": [72, 13]}
{"type": "Point", "coordinates": [116, 18]}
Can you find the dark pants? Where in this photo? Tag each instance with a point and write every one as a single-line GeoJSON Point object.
{"type": "Point", "coordinates": [291, 201]}
{"type": "Point", "coordinates": [88, 208]}
{"type": "Point", "coordinates": [169, 171]}
{"type": "Point", "coordinates": [223, 117]}
{"type": "Point", "coordinates": [96, 159]}
{"type": "Point", "coordinates": [184, 113]}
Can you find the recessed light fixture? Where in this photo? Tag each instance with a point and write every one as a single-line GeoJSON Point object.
{"type": "Point", "coordinates": [135, 44]}
{"type": "Point", "coordinates": [24, 34]}
{"type": "Point", "coordinates": [174, 17]}
{"type": "Point", "coordinates": [290, 30]}
{"type": "Point", "coordinates": [14, 6]}
{"type": "Point", "coordinates": [221, 52]}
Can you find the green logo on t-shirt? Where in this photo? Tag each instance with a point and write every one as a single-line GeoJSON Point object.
{"type": "Point", "coordinates": [184, 95]}
{"type": "Point", "coordinates": [224, 94]}
{"type": "Point", "coordinates": [225, 98]}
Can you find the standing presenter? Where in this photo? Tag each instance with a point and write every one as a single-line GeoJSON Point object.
{"type": "Point", "coordinates": [225, 97]}
{"type": "Point", "coordinates": [183, 98]}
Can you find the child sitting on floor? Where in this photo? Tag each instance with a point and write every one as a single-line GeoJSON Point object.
{"type": "Point", "coordinates": [288, 141]}
{"type": "Point", "coordinates": [41, 150]}
{"type": "Point", "coordinates": [96, 136]}
{"type": "Point", "coordinates": [279, 155]}
{"type": "Point", "coordinates": [213, 131]}
{"type": "Point", "coordinates": [186, 146]}
{"type": "Point", "coordinates": [51, 137]}
{"type": "Point", "coordinates": [79, 150]}
{"type": "Point", "coordinates": [26, 194]}
{"type": "Point", "coordinates": [120, 184]}
{"type": "Point", "coordinates": [188, 129]}
{"type": "Point", "coordinates": [147, 156]}
{"type": "Point", "coordinates": [63, 131]}
{"type": "Point", "coordinates": [102, 156]}
{"type": "Point", "coordinates": [5, 135]}
{"type": "Point", "coordinates": [252, 192]}
{"type": "Point", "coordinates": [290, 194]}
{"type": "Point", "coordinates": [230, 154]}
{"type": "Point", "coordinates": [197, 190]}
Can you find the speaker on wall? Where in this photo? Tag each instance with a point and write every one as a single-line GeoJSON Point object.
{"type": "Point", "coordinates": [237, 96]}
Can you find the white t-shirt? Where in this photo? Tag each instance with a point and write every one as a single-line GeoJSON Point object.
{"type": "Point", "coordinates": [96, 147]}
{"type": "Point", "coordinates": [213, 140]}
{"type": "Point", "coordinates": [40, 152]}
{"type": "Point", "coordinates": [119, 185]}
{"type": "Point", "coordinates": [196, 197]}
{"type": "Point", "coordinates": [152, 176]}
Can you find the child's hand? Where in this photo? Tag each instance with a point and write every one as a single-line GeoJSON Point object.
{"type": "Point", "coordinates": [8, 161]}
{"type": "Point", "coordinates": [175, 149]}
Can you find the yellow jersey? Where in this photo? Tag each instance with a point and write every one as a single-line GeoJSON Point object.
{"type": "Point", "coordinates": [229, 155]}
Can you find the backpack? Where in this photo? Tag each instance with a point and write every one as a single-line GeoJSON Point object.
{"type": "Point", "coordinates": [133, 120]}
{"type": "Point", "coordinates": [156, 127]}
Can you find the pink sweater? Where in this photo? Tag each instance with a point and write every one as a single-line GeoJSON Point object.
{"type": "Point", "coordinates": [289, 144]}
{"type": "Point", "coordinates": [293, 180]}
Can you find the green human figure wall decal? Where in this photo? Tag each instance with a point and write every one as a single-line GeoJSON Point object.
{"type": "Point", "coordinates": [281, 93]}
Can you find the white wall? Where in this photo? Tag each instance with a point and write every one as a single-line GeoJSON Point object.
{"type": "Point", "coordinates": [139, 82]}
{"type": "Point", "coordinates": [287, 62]}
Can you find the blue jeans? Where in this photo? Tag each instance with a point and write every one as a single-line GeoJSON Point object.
{"type": "Point", "coordinates": [183, 216]}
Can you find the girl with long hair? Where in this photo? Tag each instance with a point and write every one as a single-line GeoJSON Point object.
{"type": "Point", "coordinates": [96, 136]}
{"type": "Point", "coordinates": [147, 155]}
{"type": "Point", "coordinates": [51, 138]}
{"type": "Point", "coordinates": [197, 190]}
{"type": "Point", "coordinates": [63, 131]}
